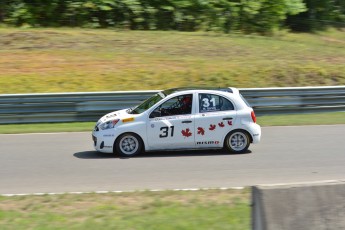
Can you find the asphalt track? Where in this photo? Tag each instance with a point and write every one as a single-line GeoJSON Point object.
{"type": "Point", "coordinates": [66, 162]}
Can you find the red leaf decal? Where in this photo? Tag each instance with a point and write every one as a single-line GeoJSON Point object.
{"type": "Point", "coordinates": [212, 127]}
{"type": "Point", "coordinates": [186, 133]}
{"type": "Point", "coordinates": [221, 124]}
{"type": "Point", "coordinates": [230, 122]}
{"type": "Point", "coordinates": [201, 131]}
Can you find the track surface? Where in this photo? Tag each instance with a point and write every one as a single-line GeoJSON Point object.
{"type": "Point", "coordinates": [66, 162]}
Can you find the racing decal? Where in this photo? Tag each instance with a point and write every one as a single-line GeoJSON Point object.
{"type": "Point", "coordinates": [110, 116]}
{"type": "Point", "coordinates": [165, 118]}
{"type": "Point", "coordinates": [207, 142]}
{"type": "Point", "coordinates": [212, 127]}
{"type": "Point", "coordinates": [201, 131]}
{"type": "Point", "coordinates": [221, 124]}
{"type": "Point", "coordinates": [160, 119]}
{"type": "Point", "coordinates": [229, 122]}
{"type": "Point", "coordinates": [208, 105]}
{"type": "Point", "coordinates": [165, 131]}
{"type": "Point", "coordinates": [161, 94]}
{"type": "Point", "coordinates": [128, 119]}
{"type": "Point", "coordinates": [183, 117]}
{"type": "Point", "coordinates": [186, 133]}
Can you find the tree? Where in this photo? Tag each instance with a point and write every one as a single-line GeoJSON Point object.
{"type": "Point", "coordinates": [320, 13]}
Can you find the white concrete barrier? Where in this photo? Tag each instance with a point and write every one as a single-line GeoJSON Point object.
{"type": "Point", "coordinates": [314, 206]}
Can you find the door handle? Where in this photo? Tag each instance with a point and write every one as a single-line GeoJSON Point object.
{"type": "Point", "coordinates": [227, 118]}
{"type": "Point", "coordinates": [186, 121]}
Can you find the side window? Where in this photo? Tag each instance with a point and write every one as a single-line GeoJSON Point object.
{"type": "Point", "coordinates": [175, 106]}
{"type": "Point", "coordinates": [213, 103]}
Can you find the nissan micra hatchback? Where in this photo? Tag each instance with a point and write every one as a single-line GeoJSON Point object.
{"type": "Point", "coordinates": [180, 119]}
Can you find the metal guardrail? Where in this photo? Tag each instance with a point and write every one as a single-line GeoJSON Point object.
{"type": "Point", "coordinates": [292, 100]}
{"type": "Point", "coordinates": [74, 107]}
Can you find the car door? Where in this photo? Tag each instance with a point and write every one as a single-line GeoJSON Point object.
{"type": "Point", "coordinates": [171, 124]}
{"type": "Point", "coordinates": [214, 120]}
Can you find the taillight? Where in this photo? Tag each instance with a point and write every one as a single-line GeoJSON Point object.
{"type": "Point", "coordinates": [253, 116]}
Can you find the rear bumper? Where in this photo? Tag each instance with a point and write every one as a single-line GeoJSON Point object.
{"type": "Point", "coordinates": [256, 133]}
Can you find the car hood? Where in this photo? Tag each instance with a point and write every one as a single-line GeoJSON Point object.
{"type": "Point", "coordinates": [120, 114]}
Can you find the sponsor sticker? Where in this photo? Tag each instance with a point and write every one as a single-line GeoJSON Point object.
{"type": "Point", "coordinates": [128, 119]}
{"type": "Point", "coordinates": [160, 119]}
{"type": "Point", "coordinates": [111, 115]}
{"type": "Point", "coordinates": [207, 142]}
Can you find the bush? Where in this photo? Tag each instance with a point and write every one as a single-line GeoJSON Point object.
{"type": "Point", "coordinates": [249, 16]}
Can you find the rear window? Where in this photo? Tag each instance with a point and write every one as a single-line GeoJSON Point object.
{"type": "Point", "coordinates": [213, 103]}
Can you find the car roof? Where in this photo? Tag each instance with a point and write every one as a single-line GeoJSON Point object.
{"type": "Point", "coordinates": [175, 90]}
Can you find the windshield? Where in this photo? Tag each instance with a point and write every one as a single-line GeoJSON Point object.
{"type": "Point", "coordinates": [147, 104]}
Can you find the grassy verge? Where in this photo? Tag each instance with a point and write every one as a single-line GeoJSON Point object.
{"type": "Point", "coordinates": [303, 119]}
{"type": "Point", "coordinates": [206, 209]}
{"type": "Point", "coordinates": [276, 120]}
{"type": "Point", "coordinates": [47, 127]}
{"type": "Point", "coordinates": [75, 60]}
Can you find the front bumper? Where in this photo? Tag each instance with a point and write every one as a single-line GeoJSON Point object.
{"type": "Point", "coordinates": [94, 139]}
{"type": "Point", "coordinates": [103, 142]}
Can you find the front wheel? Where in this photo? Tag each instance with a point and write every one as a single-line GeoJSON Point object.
{"type": "Point", "coordinates": [237, 142]}
{"type": "Point", "coordinates": [128, 144]}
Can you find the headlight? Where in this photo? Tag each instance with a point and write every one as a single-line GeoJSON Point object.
{"type": "Point", "coordinates": [109, 124]}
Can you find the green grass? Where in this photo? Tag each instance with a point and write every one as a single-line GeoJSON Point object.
{"type": "Point", "coordinates": [205, 209]}
{"type": "Point", "coordinates": [74, 60]}
{"type": "Point", "coordinates": [274, 120]}
{"type": "Point", "coordinates": [47, 127]}
{"type": "Point", "coordinates": [303, 119]}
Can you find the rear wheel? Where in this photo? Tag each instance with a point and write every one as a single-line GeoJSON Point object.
{"type": "Point", "coordinates": [237, 141]}
{"type": "Point", "coordinates": [128, 144]}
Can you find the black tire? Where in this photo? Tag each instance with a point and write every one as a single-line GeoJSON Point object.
{"type": "Point", "coordinates": [128, 145]}
{"type": "Point", "coordinates": [237, 141]}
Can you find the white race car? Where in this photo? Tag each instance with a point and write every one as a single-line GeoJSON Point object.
{"type": "Point", "coordinates": [180, 119]}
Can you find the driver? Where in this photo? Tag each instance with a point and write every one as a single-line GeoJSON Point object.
{"type": "Point", "coordinates": [186, 107]}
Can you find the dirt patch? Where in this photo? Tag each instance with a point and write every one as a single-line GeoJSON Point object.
{"type": "Point", "coordinates": [333, 40]}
